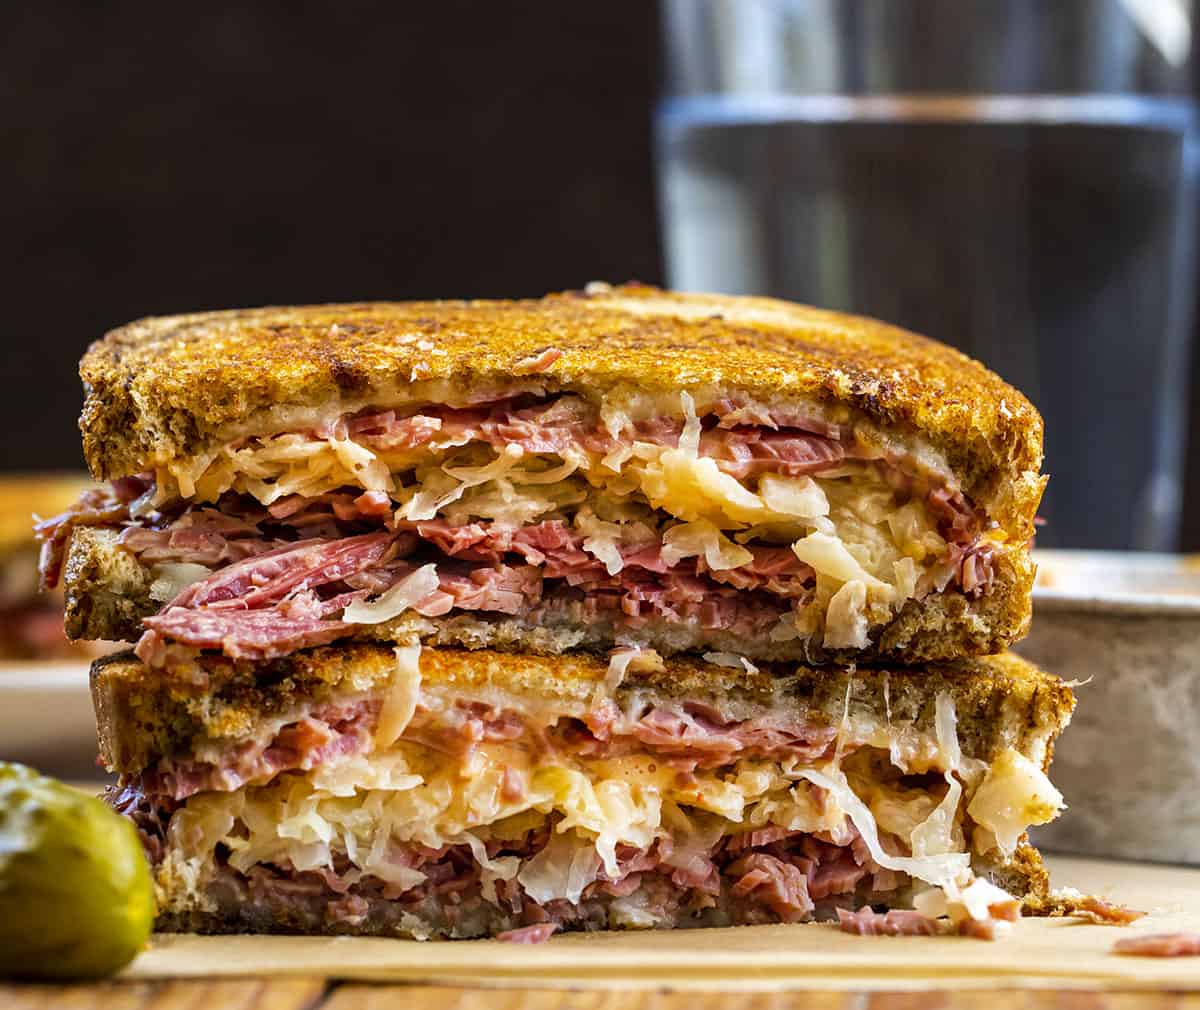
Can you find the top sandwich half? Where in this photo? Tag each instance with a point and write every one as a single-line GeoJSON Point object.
{"type": "Point", "coordinates": [620, 466]}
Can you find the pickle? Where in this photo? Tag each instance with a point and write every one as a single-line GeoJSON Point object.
{"type": "Point", "coordinates": [76, 898]}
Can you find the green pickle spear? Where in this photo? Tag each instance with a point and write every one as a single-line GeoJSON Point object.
{"type": "Point", "coordinates": [76, 899]}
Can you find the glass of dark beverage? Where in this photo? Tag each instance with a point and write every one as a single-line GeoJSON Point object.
{"type": "Point", "coordinates": [1014, 177]}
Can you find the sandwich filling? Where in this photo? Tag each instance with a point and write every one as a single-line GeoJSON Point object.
{"type": "Point", "coordinates": [741, 529]}
{"type": "Point", "coordinates": [436, 810]}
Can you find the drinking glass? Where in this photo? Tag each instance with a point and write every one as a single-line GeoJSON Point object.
{"type": "Point", "coordinates": [1014, 177]}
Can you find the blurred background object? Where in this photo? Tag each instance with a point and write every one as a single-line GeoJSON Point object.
{"type": "Point", "coordinates": [1014, 177]}
{"type": "Point", "coordinates": [1126, 628]}
{"type": "Point", "coordinates": [46, 718]}
{"type": "Point", "coordinates": [31, 621]}
{"type": "Point", "coordinates": [160, 159]}
{"type": "Point", "coordinates": [45, 705]}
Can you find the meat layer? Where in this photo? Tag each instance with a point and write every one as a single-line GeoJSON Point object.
{"type": "Point", "coordinates": [741, 535]}
{"type": "Point", "coordinates": [792, 879]}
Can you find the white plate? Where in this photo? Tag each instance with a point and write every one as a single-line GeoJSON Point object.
{"type": "Point", "coordinates": [46, 717]}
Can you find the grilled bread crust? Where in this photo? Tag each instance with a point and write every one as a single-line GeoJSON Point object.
{"type": "Point", "coordinates": [170, 388]}
{"type": "Point", "coordinates": [1002, 701]}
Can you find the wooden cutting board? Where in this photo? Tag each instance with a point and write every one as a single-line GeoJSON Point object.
{"type": "Point", "coordinates": [1040, 953]}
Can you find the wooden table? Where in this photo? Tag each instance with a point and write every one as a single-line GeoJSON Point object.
{"type": "Point", "coordinates": [321, 994]}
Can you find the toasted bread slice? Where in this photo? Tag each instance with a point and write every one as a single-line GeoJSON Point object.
{"type": "Point", "coordinates": [171, 388]}
{"type": "Point", "coordinates": [1002, 701]}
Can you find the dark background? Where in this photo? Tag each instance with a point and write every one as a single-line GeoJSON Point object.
{"type": "Point", "coordinates": [161, 158]}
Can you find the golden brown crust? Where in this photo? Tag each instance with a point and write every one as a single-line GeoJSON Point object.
{"type": "Point", "coordinates": [1002, 701]}
{"type": "Point", "coordinates": [167, 387]}
{"type": "Point", "coordinates": [1022, 874]}
{"type": "Point", "coordinates": [107, 589]}
{"type": "Point", "coordinates": [947, 625]}
{"type": "Point", "coordinates": [142, 711]}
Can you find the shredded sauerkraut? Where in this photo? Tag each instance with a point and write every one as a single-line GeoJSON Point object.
{"type": "Point", "coordinates": [632, 657]}
{"type": "Point", "coordinates": [940, 870]}
{"type": "Point", "coordinates": [937, 834]}
{"type": "Point", "coordinates": [400, 702]}
{"type": "Point", "coordinates": [356, 810]}
{"type": "Point", "coordinates": [406, 594]}
{"type": "Point", "coordinates": [602, 540]}
{"type": "Point", "coordinates": [1015, 793]}
{"type": "Point", "coordinates": [871, 549]}
{"type": "Point", "coordinates": [172, 578]}
{"type": "Point", "coordinates": [731, 660]}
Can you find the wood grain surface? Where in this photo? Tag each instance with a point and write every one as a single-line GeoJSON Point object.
{"type": "Point", "coordinates": [318, 994]}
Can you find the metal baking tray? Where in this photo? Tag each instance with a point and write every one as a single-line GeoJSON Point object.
{"type": "Point", "coordinates": [1127, 628]}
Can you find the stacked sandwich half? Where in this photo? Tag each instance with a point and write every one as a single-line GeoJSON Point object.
{"type": "Point", "coordinates": [614, 609]}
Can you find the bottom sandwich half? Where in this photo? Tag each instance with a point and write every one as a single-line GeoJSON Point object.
{"type": "Point", "coordinates": [439, 793]}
